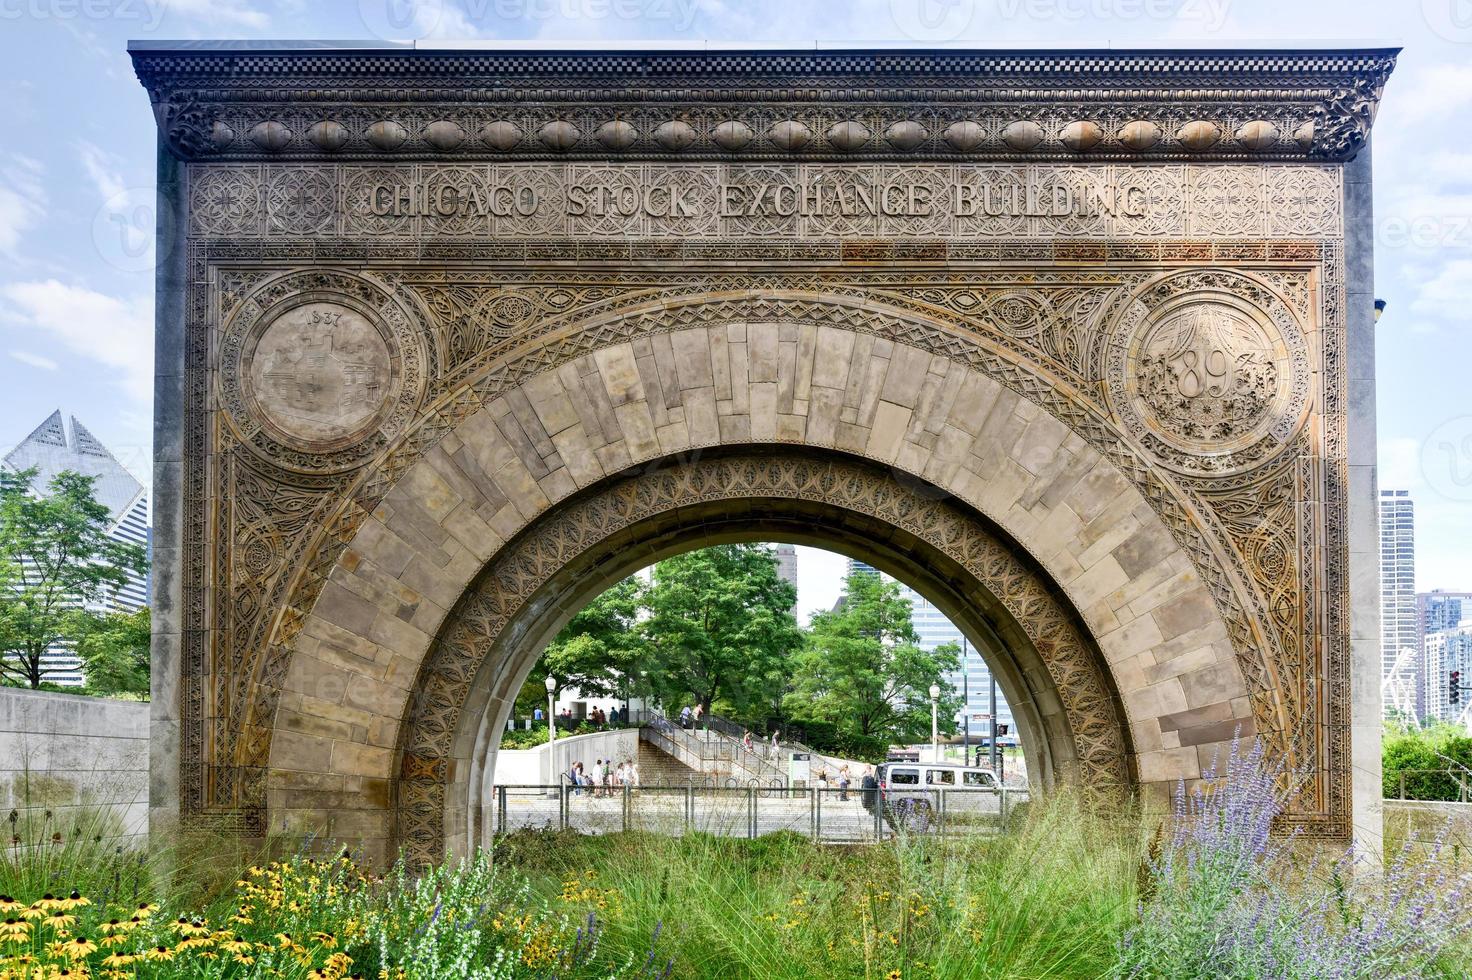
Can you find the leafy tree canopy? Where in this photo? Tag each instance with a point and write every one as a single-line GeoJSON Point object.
{"type": "Point", "coordinates": [55, 558]}
{"type": "Point", "coordinates": [719, 627]}
{"type": "Point", "coordinates": [863, 670]}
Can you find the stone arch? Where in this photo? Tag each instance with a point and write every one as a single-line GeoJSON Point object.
{"type": "Point", "coordinates": [619, 394]}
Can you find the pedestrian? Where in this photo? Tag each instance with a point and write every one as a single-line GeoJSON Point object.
{"type": "Point", "coordinates": [537, 715]}
{"type": "Point", "coordinates": [699, 710]}
{"type": "Point", "coordinates": [774, 741]}
{"type": "Point", "coordinates": [822, 779]}
{"type": "Point", "coordinates": [608, 777]}
{"type": "Point", "coordinates": [746, 742]}
{"type": "Point", "coordinates": [843, 781]}
{"type": "Point", "coordinates": [575, 777]}
{"type": "Point", "coordinates": [685, 717]}
{"type": "Point", "coordinates": [870, 786]}
{"type": "Point", "coordinates": [634, 775]}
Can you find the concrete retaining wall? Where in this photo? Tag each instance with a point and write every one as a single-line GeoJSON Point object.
{"type": "Point", "coordinates": [84, 760]}
{"type": "Point", "coordinates": [530, 767]}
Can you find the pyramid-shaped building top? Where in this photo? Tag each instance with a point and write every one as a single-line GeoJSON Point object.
{"type": "Point", "coordinates": [53, 448]}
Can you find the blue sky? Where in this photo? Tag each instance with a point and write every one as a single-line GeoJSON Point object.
{"type": "Point", "coordinates": [76, 173]}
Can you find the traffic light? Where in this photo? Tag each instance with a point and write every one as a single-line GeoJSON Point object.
{"type": "Point", "coordinates": [1454, 688]}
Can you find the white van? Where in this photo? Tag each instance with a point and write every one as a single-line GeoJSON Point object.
{"type": "Point", "coordinates": [909, 792]}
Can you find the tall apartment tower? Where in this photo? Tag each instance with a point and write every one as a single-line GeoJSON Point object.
{"type": "Point", "coordinates": [54, 447]}
{"type": "Point", "coordinates": [786, 556]}
{"type": "Point", "coordinates": [1400, 634]}
{"type": "Point", "coordinates": [1436, 612]}
{"type": "Point", "coordinates": [1449, 675]}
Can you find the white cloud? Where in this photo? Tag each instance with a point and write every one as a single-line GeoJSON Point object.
{"type": "Point", "coordinates": [22, 200]}
{"type": "Point", "coordinates": [114, 332]}
{"type": "Point", "coordinates": [1445, 294]}
{"type": "Point", "coordinates": [1435, 91]}
{"type": "Point", "coordinates": [445, 22]}
{"type": "Point", "coordinates": [218, 11]}
{"type": "Point", "coordinates": [35, 360]}
{"type": "Point", "coordinates": [100, 166]}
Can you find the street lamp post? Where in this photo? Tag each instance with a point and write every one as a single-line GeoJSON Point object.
{"type": "Point", "coordinates": [934, 723]}
{"type": "Point", "coordinates": [551, 703]}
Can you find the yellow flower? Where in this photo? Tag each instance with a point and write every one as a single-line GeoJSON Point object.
{"type": "Point", "coordinates": [894, 975]}
{"type": "Point", "coordinates": [15, 929]}
{"type": "Point", "coordinates": [162, 953]}
{"type": "Point", "coordinates": [9, 906]}
{"type": "Point", "coordinates": [75, 900]}
{"type": "Point", "coordinates": [145, 909]}
{"type": "Point", "coordinates": [77, 947]}
{"type": "Point", "coordinates": [61, 920]}
{"type": "Point", "coordinates": [116, 961]}
{"type": "Point", "coordinates": [188, 928]}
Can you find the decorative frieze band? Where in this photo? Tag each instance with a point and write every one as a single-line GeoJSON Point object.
{"type": "Point", "coordinates": [767, 202]}
{"type": "Point", "coordinates": [231, 104]}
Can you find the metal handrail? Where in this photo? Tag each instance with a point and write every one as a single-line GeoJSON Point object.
{"type": "Point", "coordinates": [1459, 776]}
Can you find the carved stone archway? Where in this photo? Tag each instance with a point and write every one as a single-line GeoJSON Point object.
{"type": "Point", "coordinates": [400, 341]}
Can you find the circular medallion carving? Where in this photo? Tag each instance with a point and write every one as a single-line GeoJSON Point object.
{"type": "Point", "coordinates": [320, 373]}
{"type": "Point", "coordinates": [1209, 375]}
{"type": "Point", "coordinates": [1209, 371]}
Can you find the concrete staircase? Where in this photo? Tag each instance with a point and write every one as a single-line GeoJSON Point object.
{"type": "Point", "coordinates": [659, 768]}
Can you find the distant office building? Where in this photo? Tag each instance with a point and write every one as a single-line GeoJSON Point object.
{"type": "Point", "coordinates": [854, 565]}
{"type": "Point", "coordinates": [973, 680]}
{"type": "Point", "coordinates": [1436, 611]}
{"type": "Point", "coordinates": [1400, 634]}
{"type": "Point", "coordinates": [786, 555]}
{"type": "Point", "coordinates": [1449, 675]}
{"type": "Point", "coordinates": [55, 447]}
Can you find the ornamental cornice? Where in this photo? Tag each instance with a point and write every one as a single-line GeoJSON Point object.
{"type": "Point", "coordinates": [228, 103]}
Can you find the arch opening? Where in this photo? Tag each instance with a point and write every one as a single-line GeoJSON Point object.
{"type": "Point", "coordinates": [1049, 668]}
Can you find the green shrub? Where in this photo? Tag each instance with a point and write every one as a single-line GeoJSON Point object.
{"type": "Point", "coordinates": [1427, 763]}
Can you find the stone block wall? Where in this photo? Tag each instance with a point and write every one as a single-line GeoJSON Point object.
{"type": "Point", "coordinates": [72, 765]}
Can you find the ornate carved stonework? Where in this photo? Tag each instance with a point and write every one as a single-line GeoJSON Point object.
{"type": "Point", "coordinates": [232, 104]}
{"type": "Point", "coordinates": [722, 203]}
{"type": "Point", "coordinates": [320, 374]}
{"type": "Point", "coordinates": [1210, 372]}
{"type": "Point", "coordinates": [369, 280]}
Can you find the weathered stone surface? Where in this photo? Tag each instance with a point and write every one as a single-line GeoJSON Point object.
{"type": "Point", "coordinates": [410, 404]}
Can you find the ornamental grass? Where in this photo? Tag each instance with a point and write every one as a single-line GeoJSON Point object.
{"type": "Point", "coordinates": [1212, 888]}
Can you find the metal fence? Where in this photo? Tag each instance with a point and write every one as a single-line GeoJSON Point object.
{"type": "Point", "coordinates": [1431, 785]}
{"type": "Point", "coordinates": [836, 815]}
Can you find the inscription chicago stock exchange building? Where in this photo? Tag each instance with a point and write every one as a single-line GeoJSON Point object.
{"type": "Point", "coordinates": [818, 194]}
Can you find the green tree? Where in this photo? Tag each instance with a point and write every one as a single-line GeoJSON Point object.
{"type": "Point", "coordinates": [719, 628]}
{"type": "Point", "coordinates": [863, 670]}
{"type": "Point", "coordinates": [114, 652]}
{"type": "Point", "coordinates": [56, 555]}
{"type": "Point", "coordinates": [598, 651]}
